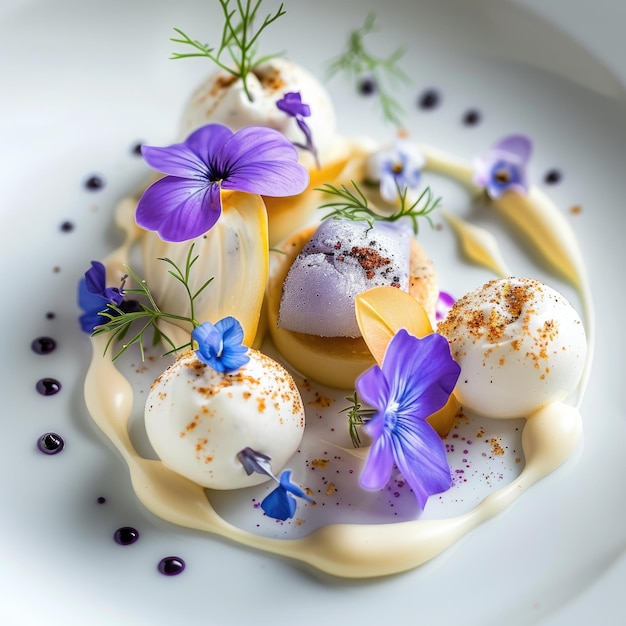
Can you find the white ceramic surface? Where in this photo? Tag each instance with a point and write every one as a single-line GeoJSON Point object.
{"type": "Point", "coordinates": [81, 82]}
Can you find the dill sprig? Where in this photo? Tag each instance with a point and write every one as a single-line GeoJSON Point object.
{"type": "Point", "coordinates": [358, 415]}
{"type": "Point", "coordinates": [353, 205]}
{"type": "Point", "coordinates": [356, 62]}
{"type": "Point", "coordinates": [149, 314]}
{"type": "Point", "coordinates": [239, 40]}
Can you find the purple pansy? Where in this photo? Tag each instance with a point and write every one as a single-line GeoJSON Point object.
{"type": "Point", "coordinates": [503, 167]}
{"type": "Point", "coordinates": [219, 345]}
{"type": "Point", "coordinates": [416, 379]}
{"type": "Point", "coordinates": [94, 296]}
{"type": "Point", "coordinates": [398, 169]}
{"type": "Point", "coordinates": [291, 104]}
{"type": "Point", "coordinates": [186, 203]}
{"type": "Point", "coordinates": [280, 503]}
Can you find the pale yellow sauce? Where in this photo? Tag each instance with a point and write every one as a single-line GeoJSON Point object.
{"type": "Point", "coordinates": [549, 437]}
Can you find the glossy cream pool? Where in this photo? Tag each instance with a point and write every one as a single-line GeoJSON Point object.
{"type": "Point", "coordinates": [550, 435]}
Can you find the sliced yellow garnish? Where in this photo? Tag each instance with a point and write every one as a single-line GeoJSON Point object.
{"type": "Point", "coordinates": [381, 312]}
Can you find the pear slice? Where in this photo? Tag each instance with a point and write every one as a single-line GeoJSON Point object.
{"type": "Point", "coordinates": [234, 253]}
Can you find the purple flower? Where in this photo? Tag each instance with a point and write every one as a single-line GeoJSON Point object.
{"type": "Point", "coordinates": [503, 167]}
{"type": "Point", "coordinates": [94, 296]}
{"type": "Point", "coordinates": [280, 503]}
{"type": "Point", "coordinates": [187, 203]}
{"type": "Point", "coordinates": [220, 345]}
{"type": "Point", "coordinates": [444, 304]}
{"type": "Point", "coordinates": [95, 281]}
{"type": "Point", "coordinates": [398, 169]}
{"type": "Point", "coordinates": [291, 104]}
{"type": "Point", "coordinates": [416, 380]}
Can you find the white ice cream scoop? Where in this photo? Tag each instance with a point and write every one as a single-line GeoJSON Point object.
{"type": "Point", "coordinates": [520, 344]}
{"type": "Point", "coordinates": [198, 419]}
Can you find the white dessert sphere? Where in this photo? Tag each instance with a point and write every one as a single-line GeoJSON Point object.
{"type": "Point", "coordinates": [198, 419]}
{"type": "Point", "coordinates": [520, 344]}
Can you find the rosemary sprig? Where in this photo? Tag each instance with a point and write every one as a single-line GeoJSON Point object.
{"type": "Point", "coordinates": [356, 62]}
{"type": "Point", "coordinates": [239, 40]}
{"type": "Point", "coordinates": [120, 321]}
{"type": "Point", "coordinates": [357, 416]}
{"type": "Point", "coordinates": [353, 205]}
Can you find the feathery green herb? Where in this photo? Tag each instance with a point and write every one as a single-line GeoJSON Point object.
{"type": "Point", "coordinates": [357, 416]}
{"type": "Point", "coordinates": [119, 321]}
{"type": "Point", "coordinates": [353, 205]}
{"type": "Point", "coordinates": [357, 62]}
{"type": "Point", "coordinates": [239, 40]}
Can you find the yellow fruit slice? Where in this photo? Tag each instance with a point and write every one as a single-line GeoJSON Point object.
{"type": "Point", "coordinates": [381, 312]}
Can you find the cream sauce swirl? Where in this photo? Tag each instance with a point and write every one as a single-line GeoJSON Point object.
{"type": "Point", "coordinates": [550, 435]}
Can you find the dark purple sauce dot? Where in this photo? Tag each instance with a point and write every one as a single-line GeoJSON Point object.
{"type": "Point", "coordinates": [50, 315]}
{"type": "Point", "coordinates": [48, 386]}
{"type": "Point", "coordinates": [93, 183]}
{"type": "Point", "coordinates": [367, 86]}
{"type": "Point", "coordinates": [553, 177]}
{"type": "Point", "coordinates": [136, 149]}
{"type": "Point", "coordinates": [43, 345]}
{"type": "Point", "coordinates": [126, 535]}
{"type": "Point", "coordinates": [67, 227]}
{"type": "Point", "coordinates": [429, 99]}
{"type": "Point", "coordinates": [50, 443]}
{"type": "Point", "coordinates": [101, 499]}
{"type": "Point", "coordinates": [472, 117]}
{"type": "Point", "coordinates": [171, 566]}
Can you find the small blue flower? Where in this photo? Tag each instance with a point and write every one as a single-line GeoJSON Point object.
{"type": "Point", "coordinates": [503, 167]}
{"type": "Point", "coordinates": [399, 169]}
{"type": "Point", "coordinates": [220, 345]}
{"type": "Point", "coordinates": [280, 503]}
{"type": "Point", "coordinates": [416, 379]}
{"type": "Point", "coordinates": [291, 104]}
{"type": "Point", "coordinates": [94, 296]}
{"type": "Point", "coordinates": [95, 281]}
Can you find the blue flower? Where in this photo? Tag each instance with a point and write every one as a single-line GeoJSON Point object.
{"type": "Point", "coordinates": [280, 503]}
{"type": "Point", "coordinates": [187, 203]}
{"type": "Point", "coordinates": [503, 167]}
{"type": "Point", "coordinates": [220, 345]}
{"type": "Point", "coordinates": [399, 169]}
{"type": "Point", "coordinates": [291, 104]}
{"type": "Point", "coordinates": [94, 296]}
{"type": "Point", "coordinates": [416, 379]}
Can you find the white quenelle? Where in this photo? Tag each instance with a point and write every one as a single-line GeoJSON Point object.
{"type": "Point", "coordinates": [198, 419]}
{"type": "Point", "coordinates": [520, 344]}
{"type": "Point", "coordinates": [221, 99]}
{"type": "Point", "coordinates": [341, 260]}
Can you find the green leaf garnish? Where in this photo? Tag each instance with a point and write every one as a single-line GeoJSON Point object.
{"type": "Point", "coordinates": [357, 416]}
{"type": "Point", "coordinates": [353, 205]}
{"type": "Point", "coordinates": [356, 62]}
{"type": "Point", "coordinates": [120, 322]}
{"type": "Point", "coordinates": [239, 40]}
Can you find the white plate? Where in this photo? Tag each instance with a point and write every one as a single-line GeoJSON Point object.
{"type": "Point", "coordinates": [81, 83]}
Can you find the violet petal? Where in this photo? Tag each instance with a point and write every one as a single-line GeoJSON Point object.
{"type": "Point", "coordinates": [179, 209]}
{"type": "Point", "coordinates": [263, 161]}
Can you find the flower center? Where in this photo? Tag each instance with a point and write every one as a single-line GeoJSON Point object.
{"type": "Point", "coordinates": [397, 168]}
{"type": "Point", "coordinates": [502, 176]}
